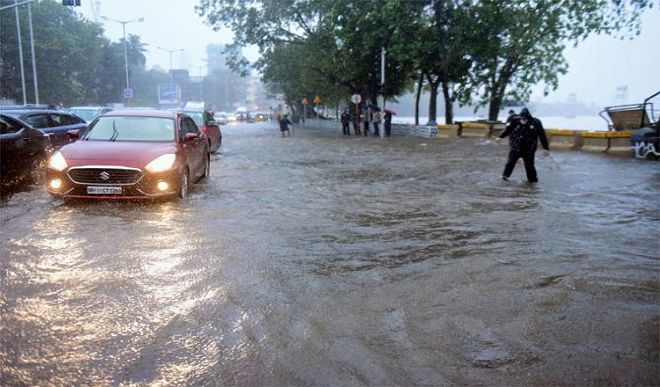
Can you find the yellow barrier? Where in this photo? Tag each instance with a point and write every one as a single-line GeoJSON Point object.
{"type": "Point", "coordinates": [562, 139]}
{"type": "Point", "coordinates": [473, 129]}
{"type": "Point", "coordinates": [594, 141]}
{"type": "Point", "coordinates": [447, 131]}
{"type": "Point", "coordinates": [619, 142]}
{"type": "Point", "coordinates": [610, 142]}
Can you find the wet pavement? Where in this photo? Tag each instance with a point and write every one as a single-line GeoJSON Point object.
{"type": "Point", "coordinates": [324, 260]}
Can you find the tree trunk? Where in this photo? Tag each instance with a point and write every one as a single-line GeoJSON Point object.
{"type": "Point", "coordinates": [420, 84]}
{"type": "Point", "coordinates": [449, 104]}
{"type": "Point", "coordinates": [433, 103]}
{"type": "Point", "coordinates": [494, 107]}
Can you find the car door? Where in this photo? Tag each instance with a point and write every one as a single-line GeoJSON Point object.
{"type": "Point", "coordinates": [19, 145]}
{"type": "Point", "coordinates": [65, 122]}
{"type": "Point", "coordinates": [42, 121]}
{"type": "Point", "coordinates": [195, 149]}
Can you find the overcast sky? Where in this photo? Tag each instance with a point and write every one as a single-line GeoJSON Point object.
{"type": "Point", "coordinates": [597, 66]}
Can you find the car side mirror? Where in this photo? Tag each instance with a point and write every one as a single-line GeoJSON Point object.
{"type": "Point", "coordinates": [191, 136]}
{"type": "Point", "coordinates": [75, 133]}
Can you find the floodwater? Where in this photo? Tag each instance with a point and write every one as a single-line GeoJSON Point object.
{"type": "Point", "coordinates": [325, 260]}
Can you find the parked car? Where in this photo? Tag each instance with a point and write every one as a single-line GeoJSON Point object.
{"type": "Point", "coordinates": [204, 120]}
{"type": "Point", "coordinates": [55, 123]}
{"type": "Point", "coordinates": [88, 113]}
{"type": "Point", "coordinates": [131, 155]}
{"type": "Point", "coordinates": [23, 150]}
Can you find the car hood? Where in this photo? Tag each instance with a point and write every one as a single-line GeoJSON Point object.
{"type": "Point", "coordinates": [118, 153]}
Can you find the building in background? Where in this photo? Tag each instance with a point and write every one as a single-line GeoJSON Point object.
{"type": "Point", "coordinates": [217, 60]}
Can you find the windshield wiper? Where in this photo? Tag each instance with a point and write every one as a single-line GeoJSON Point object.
{"type": "Point", "coordinates": [115, 133]}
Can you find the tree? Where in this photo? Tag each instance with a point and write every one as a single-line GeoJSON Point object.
{"type": "Point", "coordinates": [337, 44]}
{"type": "Point", "coordinates": [76, 64]}
{"type": "Point", "coordinates": [522, 43]}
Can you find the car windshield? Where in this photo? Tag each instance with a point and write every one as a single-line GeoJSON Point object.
{"type": "Point", "coordinates": [86, 114]}
{"type": "Point", "coordinates": [129, 128]}
{"type": "Point", "coordinates": [198, 117]}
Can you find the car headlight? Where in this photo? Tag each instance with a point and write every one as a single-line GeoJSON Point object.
{"type": "Point", "coordinates": [57, 162]}
{"type": "Point", "coordinates": [161, 163]}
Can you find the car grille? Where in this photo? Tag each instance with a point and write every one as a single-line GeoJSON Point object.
{"type": "Point", "coordinates": [122, 176]}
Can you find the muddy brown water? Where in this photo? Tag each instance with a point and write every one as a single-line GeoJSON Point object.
{"type": "Point", "coordinates": [325, 260]}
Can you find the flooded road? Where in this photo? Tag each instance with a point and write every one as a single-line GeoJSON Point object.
{"type": "Point", "coordinates": [324, 260]}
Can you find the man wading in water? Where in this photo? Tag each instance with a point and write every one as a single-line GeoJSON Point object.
{"type": "Point", "coordinates": [525, 131]}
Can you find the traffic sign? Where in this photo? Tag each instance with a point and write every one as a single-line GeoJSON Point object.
{"type": "Point", "coordinates": [317, 100]}
{"type": "Point", "coordinates": [128, 93]}
{"type": "Point", "coordinates": [356, 98]}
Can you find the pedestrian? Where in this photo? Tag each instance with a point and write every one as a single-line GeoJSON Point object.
{"type": "Point", "coordinates": [284, 125]}
{"type": "Point", "coordinates": [366, 120]}
{"type": "Point", "coordinates": [345, 121]}
{"type": "Point", "coordinates": [524, 134]}
{"type": "Point", "coordinates": [377, 117]}
{"type": "Point", "coordinates": [387, 126]}
{"type": "Point", "coordinates": [356, 122]}
{"type": "Point", "coordinates": [512, 116]}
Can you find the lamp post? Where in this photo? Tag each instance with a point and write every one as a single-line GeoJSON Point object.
{"type": "Point", "coordinates": [123, 25]}
{"type": "Point", "coordinates": [170, 51]}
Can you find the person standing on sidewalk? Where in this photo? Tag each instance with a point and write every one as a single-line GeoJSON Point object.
{"type": "Point", "coordinates": [345, 121]}
{"type": "Point", "coordinates": [377, 118]}
{"type": "Point", "coordinates": [524, 133]}
{"type": "Point", "coordinates": [387, 126]}
{"type": "Point", "coordinates": [366, 120]}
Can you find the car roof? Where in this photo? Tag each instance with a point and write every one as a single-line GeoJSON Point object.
{"type": "Point", "coordinates": [32, 111]}
{"type": "Point", "coordinates": [142, 113]}
{"type": "Point", "coordinates": [89, 107]}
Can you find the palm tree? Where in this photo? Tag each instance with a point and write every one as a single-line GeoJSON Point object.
{"type": "Point", "coordinates": [135, 51]}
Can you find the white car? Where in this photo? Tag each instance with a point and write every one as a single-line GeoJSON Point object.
{"type": "Point", "coordinates": [220, 118]}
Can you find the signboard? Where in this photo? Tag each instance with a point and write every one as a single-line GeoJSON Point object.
{"type": "Point", "coordinates": [356, 98]}
{"type": "Point", "coordinates": [317, 100]}
{"type": "Point", "coordinates": [179, 76]}
{"type": "Point", "coordinates": [128, 93]}
{"type": "Point", "coordinates": [305, 101]}
{"type": "Point", "coordinates": [168, 94]}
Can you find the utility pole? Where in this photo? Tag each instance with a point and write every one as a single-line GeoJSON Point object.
{"type": "Point", "coordinates": [20, 51]}
{"type": "Point", "coordinates": [170, 52]}
{"type": "Point", "coordinates": [123, 25]}
{"type": "Point", "coordinates": [34, 58]}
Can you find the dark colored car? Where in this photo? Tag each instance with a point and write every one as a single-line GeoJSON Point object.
{"type": "Point", "coordinates": [207, 124]}
{"type": "Point", "coordinates": [131, 155]}
{"type": "Point", "coordinates": [54, 123]}
{"type": "Point", "coordinates": [23, 150]}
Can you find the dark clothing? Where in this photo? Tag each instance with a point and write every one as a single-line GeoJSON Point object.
{"type": "Point", "coordinates": [366, 127]}
{"type": "Point", "coordinates": [388, 124]}
{"type": "Point", "coordinates": [376, 129]}
{"type": "Point", "coordinates": [345, 120]}
{"type": "Point", "coordinates": [284, 125]}
{"type": "Point", "coordinates": [528, 158]}
{"type": "Point", "coordinates": [523, 139]}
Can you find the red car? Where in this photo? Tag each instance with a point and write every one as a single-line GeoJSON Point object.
{"type": "Point", "coordinates": [207, 125]}
{"type": "Point", "coordinates": [131, 155]}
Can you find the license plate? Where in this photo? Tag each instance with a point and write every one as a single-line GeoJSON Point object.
{"type": "Point", "coordinates": [92, 190]}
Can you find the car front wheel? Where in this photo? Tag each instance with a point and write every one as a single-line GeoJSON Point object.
{"type": "Point", "coordinates": [184, 188]}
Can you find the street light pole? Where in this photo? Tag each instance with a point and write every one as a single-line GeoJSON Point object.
{"type": "Point", "coordinates": [34, 58]}
{"type": "Point", "coordinates": [170, 51]}
{"type": "Point", "coordinates": [20, 51]}
{"type": "Point", "coordinates": [123, 26]}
